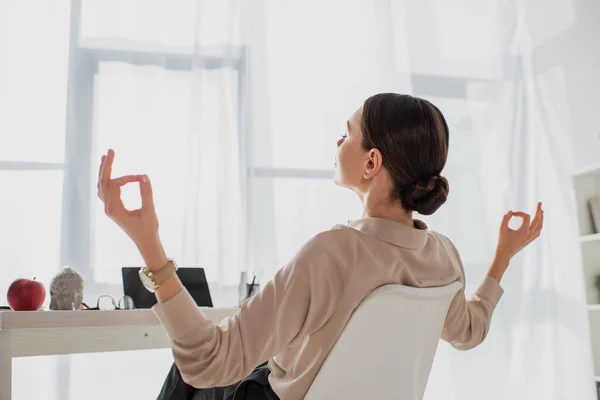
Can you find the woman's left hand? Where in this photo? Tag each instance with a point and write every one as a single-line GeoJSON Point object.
{"type": "Point", "coordinates": [512, 241]}
{"type": "Point", "coordinates": [141, 225]}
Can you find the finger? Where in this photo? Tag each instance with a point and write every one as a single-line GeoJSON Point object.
{"type": "Point", "coordinates": [534, 232]}
{"type": "Point", "coordinates": [536, 229]}
{"type": "Point", "coordinates": [535, 222]}
{"type": "Point", "coordinates": [124, 180]}
{"type": "Point", "coordinates": [100, 172]}
{"type": "Point", "coordinates": [107, 172]}
{"type": "Point", "coordinates": [524, 228]}
{"type": "Point", "coordinates": [538, 220]}
{"type": "Point", "coordinates": [146, 193]}
{"type": "Point", "coordinates": [113, 205]}
{"type": "Point", "coordinates": [101, 167]}
{"type": "Point", "coordinates": [112, 194]}
{"type": "Point", "coordinates": [538, 214]}
{"type": "Point", "coordinates": [506, 220]}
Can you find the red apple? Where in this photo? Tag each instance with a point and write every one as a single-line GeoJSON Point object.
{"type": "Point", "coordinates": [26, 295]}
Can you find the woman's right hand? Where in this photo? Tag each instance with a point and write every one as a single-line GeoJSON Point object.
{"type": "Point", "coordinates": [140, 225]}
{"type": "Point", "coordinates": [511, 241]}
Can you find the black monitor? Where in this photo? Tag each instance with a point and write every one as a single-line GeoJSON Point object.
{"type": "Point", "coordinates": [193, 279]}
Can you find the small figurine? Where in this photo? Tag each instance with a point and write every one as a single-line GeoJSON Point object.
{"type": "Point", "coordinates": [66, 290]}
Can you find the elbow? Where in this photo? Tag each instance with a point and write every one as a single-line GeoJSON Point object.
{"type": "Point", "coordinates": [465, 346]}
{"type": "Point", "coordinates": [194, 374]}
{"type": "Point", "coordinates": [214, 361]}
{"type": "Point", "coordinates": [470, 344]}
{"type": "Point", "coordinates": [204, 370]}
{"type": "Point", "coordinates": [469, 341]}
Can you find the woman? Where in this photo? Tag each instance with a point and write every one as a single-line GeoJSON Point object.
{"type": "Point", "coordinates": [392, 155]}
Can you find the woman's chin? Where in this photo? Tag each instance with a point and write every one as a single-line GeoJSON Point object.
{"type": "Point", "coordinates": [336, 179]}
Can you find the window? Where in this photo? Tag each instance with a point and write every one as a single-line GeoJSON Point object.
{"type": "Point", "coordinates": [32, 121]}
{"type": "Point", "coordinates": [138, 83]}
{"type": "Point", "coordinates": [111, 79]}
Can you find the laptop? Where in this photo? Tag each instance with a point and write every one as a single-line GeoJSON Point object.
{"type": "Point", "coordinates": [193, 279]}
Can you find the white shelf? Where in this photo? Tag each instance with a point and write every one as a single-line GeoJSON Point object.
{"type": "Point", "coordinates": [586, 184]}
{"type": "Point", "coordinates": [589, 238]}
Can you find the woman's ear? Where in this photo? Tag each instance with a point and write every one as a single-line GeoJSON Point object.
{"type": "Point", "coordinates": [373, 164]}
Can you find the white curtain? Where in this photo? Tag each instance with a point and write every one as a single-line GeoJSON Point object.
{"type": "Point", "coordinates": [171, 108]}
{"type": "Point", "coordinates": [233, 108]}
{"type": "Point", "coordinates": [510, 147]}
{"type": "Point", "coordinates": [539, 343]}
{"type": "Point", "coordinates": [161, 83]}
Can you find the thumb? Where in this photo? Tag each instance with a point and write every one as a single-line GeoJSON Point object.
{"type": "Point", "coordinates": [146, 193]}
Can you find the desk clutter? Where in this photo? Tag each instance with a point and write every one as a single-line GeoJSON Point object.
{"type": "Point", "coordinates": [67, 290]}
{"type": "Point", "coordinates": [245, 289]}
{"type": "Point", "coordinates": [26, 295]}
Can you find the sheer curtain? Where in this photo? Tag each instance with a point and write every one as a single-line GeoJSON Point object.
{"type": "Point", "coordinates": [233, 108]}
{"type": "Point", "coordinates": [510, 147]}
{"type": "Point", "coordinates": [161, 83]}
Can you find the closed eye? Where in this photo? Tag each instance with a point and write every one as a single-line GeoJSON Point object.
{"type": "Point", "coordinates": [344, 135]}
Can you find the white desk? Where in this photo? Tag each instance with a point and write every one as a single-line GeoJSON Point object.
{"type": "Point", "coordinates": [40, 333]}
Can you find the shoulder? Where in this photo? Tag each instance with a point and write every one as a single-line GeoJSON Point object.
{"type": "Point", "coordinates": [445, 244]}
{"type": "Point", "coordinates": [333, 241]}
{"type": "Point", "coordinates": [326, 252]}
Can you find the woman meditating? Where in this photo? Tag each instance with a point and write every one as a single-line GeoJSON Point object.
{"type": "Point", "coordinates": [391, 156]}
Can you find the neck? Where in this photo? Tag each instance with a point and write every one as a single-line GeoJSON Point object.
{"type": "Point", "coordinates": [378, 208]}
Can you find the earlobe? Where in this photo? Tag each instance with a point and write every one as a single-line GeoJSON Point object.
{"type": "Point", "coordinates": [370, 169]}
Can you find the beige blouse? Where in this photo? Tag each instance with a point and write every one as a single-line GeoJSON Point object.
{"type": "Point", "coordinates": [298, 316]}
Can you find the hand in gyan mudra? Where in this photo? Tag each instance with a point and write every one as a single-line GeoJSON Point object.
{"type": "Point", "coordinates": [511, 241]}
{"type": "Point", "coordinates": [141, 225]}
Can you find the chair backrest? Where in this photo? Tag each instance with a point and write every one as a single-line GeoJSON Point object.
{"type": "Point", "coordinates": [387, 348]}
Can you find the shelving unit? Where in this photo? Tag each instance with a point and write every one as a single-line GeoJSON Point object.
{"type": "Point", "coordinates": [586, 183]}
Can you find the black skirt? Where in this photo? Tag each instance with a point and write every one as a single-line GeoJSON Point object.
{"type": "Point", "coordinates": [254, 387]}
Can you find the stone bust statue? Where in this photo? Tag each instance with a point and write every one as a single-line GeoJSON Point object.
{"type": "Point", "coordinates": [66, 290]}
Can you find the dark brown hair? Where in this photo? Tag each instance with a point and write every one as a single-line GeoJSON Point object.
{"type": "Point", "coordinates": [412, 136]}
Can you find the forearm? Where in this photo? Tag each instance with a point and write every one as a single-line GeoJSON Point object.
{"type": "Point", "coordinates": [498, 266]}
{"type": "Point", "coordinates": [155, 258]}
{"type": "Point", "coordinates": [468, 321]}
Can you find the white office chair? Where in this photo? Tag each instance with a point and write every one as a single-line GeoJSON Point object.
{"type": "Point", "coordinates": [387, 348]}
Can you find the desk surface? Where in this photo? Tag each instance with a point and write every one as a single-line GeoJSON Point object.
{"type": "Point", "coordinates": [41, 333]}
{"type": "Point", "coordinates": [37, 333]}
{"type": "Point", "coordinates": [17, 320]}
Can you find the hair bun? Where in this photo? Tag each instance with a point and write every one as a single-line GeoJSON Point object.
{"type": "Point", "coordinates": [426, 196]}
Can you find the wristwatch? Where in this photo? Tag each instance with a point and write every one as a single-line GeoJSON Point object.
{"type": "Point", "coordinates": [153, 279]}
